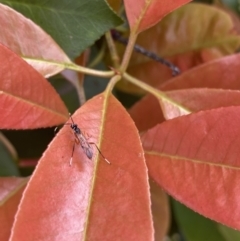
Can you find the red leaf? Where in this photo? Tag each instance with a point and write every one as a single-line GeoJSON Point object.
{"type": "Point", "coordinates": [196, 159]}
{"type": "Point", "coordinates": [11, 189]}
{"type": "Point", "coordinates": [91, 200]}
{"type": "Point", "coordinates": [27, 100]}
{"type": "Point", "coordinates": [145, 13]}
{"type": "Point", "coordinates": [222, 73]}
{"type": "Point", "coordinates": [147, 112]}
{"type": "Point", "coordinates": [193, 100]}
{"type": "Point", "coordinates": [29, 41]}
{"type": "Point", "coordinates": [186, 45]}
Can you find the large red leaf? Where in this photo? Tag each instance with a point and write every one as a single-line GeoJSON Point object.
{"type": "Point", "coordinates": [11, 189]}
{"type": "Point", "coordinates": [196, 159]}
{"type": "Point", "coordinates": [146, 13]}
{"type": "Point", "coordinates": [222, 73]}
{"type": "Point", "coordinates": [180, 38]}
{"type": "Point", "coordinates": [184, 27]}
{"type": "Point", "coordinates": [91, 200]}
{"type": "Point", "coordinates": [147, 112]}
{"type": "Point", "coordinates": [29, 41]}
{"type": "Point", "coordinates": [27, 100]}
{"type": "Point", "coordinates": [181, 102]}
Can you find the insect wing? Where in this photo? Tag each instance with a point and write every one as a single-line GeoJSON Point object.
{"type": "Point", "coordinates": [86, 147]}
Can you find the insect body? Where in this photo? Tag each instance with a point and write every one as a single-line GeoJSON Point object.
{"type": "Point", "coordinates": [82, 140]}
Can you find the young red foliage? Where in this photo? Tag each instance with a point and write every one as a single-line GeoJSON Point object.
{"type": "Point", "coordinates": [180, 38]}
{"type": "Point", "coordinates": [11, 189]}
{"type": "Point", "coordinates": [91, 199]}
{"type": "Point", "coordinates": [28, 40]}
{"type": "Point", "coordinates": [222, 73]}
{"type": "Point", "coordinates": [145, 14]}
{"type": "Point", "coordinates": [27, 100]}
{"type": "Point", "coordinates": [195, 158]}
{"type": "Point", "coordinates": [147, 112]}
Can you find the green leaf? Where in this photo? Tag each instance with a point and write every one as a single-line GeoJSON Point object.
{"type": "Point", "coordinates": [74, 24]}
{"type": "Point", "coordinates": [232, 4]}
{"type": "Point", "coordinates": [8, 165]}
{"type": "Point", "coordinates": [229, 233]}
{"type": "Point", "coordinates": [194, 226]}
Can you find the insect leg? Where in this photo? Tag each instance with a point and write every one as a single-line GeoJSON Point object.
{"type": "Point", "coordinates": [92, 143]}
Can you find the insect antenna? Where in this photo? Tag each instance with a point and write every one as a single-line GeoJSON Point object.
{"type": "Point", "coordinates": [71, 118]}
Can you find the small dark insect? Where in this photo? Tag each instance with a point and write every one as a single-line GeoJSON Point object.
{"type": "Point", "coordinates": [118, 37]}
{"type": "Point", "coordinates": [82, 140]}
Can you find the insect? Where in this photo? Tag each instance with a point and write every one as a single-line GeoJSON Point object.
{"type": "Point", "coordinates": [82, 140]}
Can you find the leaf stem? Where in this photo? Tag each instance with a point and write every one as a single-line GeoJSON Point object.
{"type": "Point", "coordinates": [160, 95]}
{"type": "Point", "coordinates": [93, 72]}
{"type": "Point", "coordinates": [128, 52]}
{"type": "Point", "coordinates": [84, 70]}
{"type": "Point", "coordinates": [112, 50]}
{"type": "Point", "coordinates": [112, 83]}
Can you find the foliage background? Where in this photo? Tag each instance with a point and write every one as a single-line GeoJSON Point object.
{"type": "Point", "coordinates": [30, 144]}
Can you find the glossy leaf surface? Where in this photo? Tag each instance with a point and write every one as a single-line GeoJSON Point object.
{"type": "Point", "coordinates": [180, 32]}
{"type": "Point", "coordinates": [196, 159]}
{"type": "Point", "coordinates": [146, 13]}
{"type": "Point", "coordinates": [90, 200]}
{"type": "Point", "coordinates": [181, 39]}
{"type": "Point", "coordinates": [148, 112]}
{"type": "Point", "coordinates": [27, 100]}
{"type": "Point", "coordinates": [30, 42]}
{"type": "Point", "coordinates": [11, 189]}
{"type": "Point", "coordinates": [181, 102]}
{"type": "Point", "coordinates": [223, 73]}
{"type": "Point", "coordinates": [74, 25]}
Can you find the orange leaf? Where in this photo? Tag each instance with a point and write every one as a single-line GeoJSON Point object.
{"type": "Point", "coordinates": [193, 100]}
{"type": "Point", "coordinates": [222, 73]}
{"type": "Point", "coordinates": [91, 200]}
{"type": "Point", "coordinates": [147, 112]}
{"type": "Point", "coordinates": [180, 38]}
{"type": "Point", "coordinates": [180, 32]}
{"type": "Point", "coordinates": [196, 159]}
{"type": "Point", "coordinates": [11, 189]}
{"type": "Point", "coordinates": [146, 13]}
{"type": "Point", "coordinates": [29, 41]}
{"type": "Point", "coordinates": [27, 100]}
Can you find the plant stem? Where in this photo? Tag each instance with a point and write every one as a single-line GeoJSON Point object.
{"type": "Point", "coordinates": [112, 83]}
{"type": "Point", "coordinates": [157, 93]}
{"type": "Point", "coordinates": [128, 52]}
{"type": "Point", "coordinates": [84, 70]}
{"type": "Point", "coordinates": [78, 68]}
{"type": "Point", "coordinates": [112, 50]}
